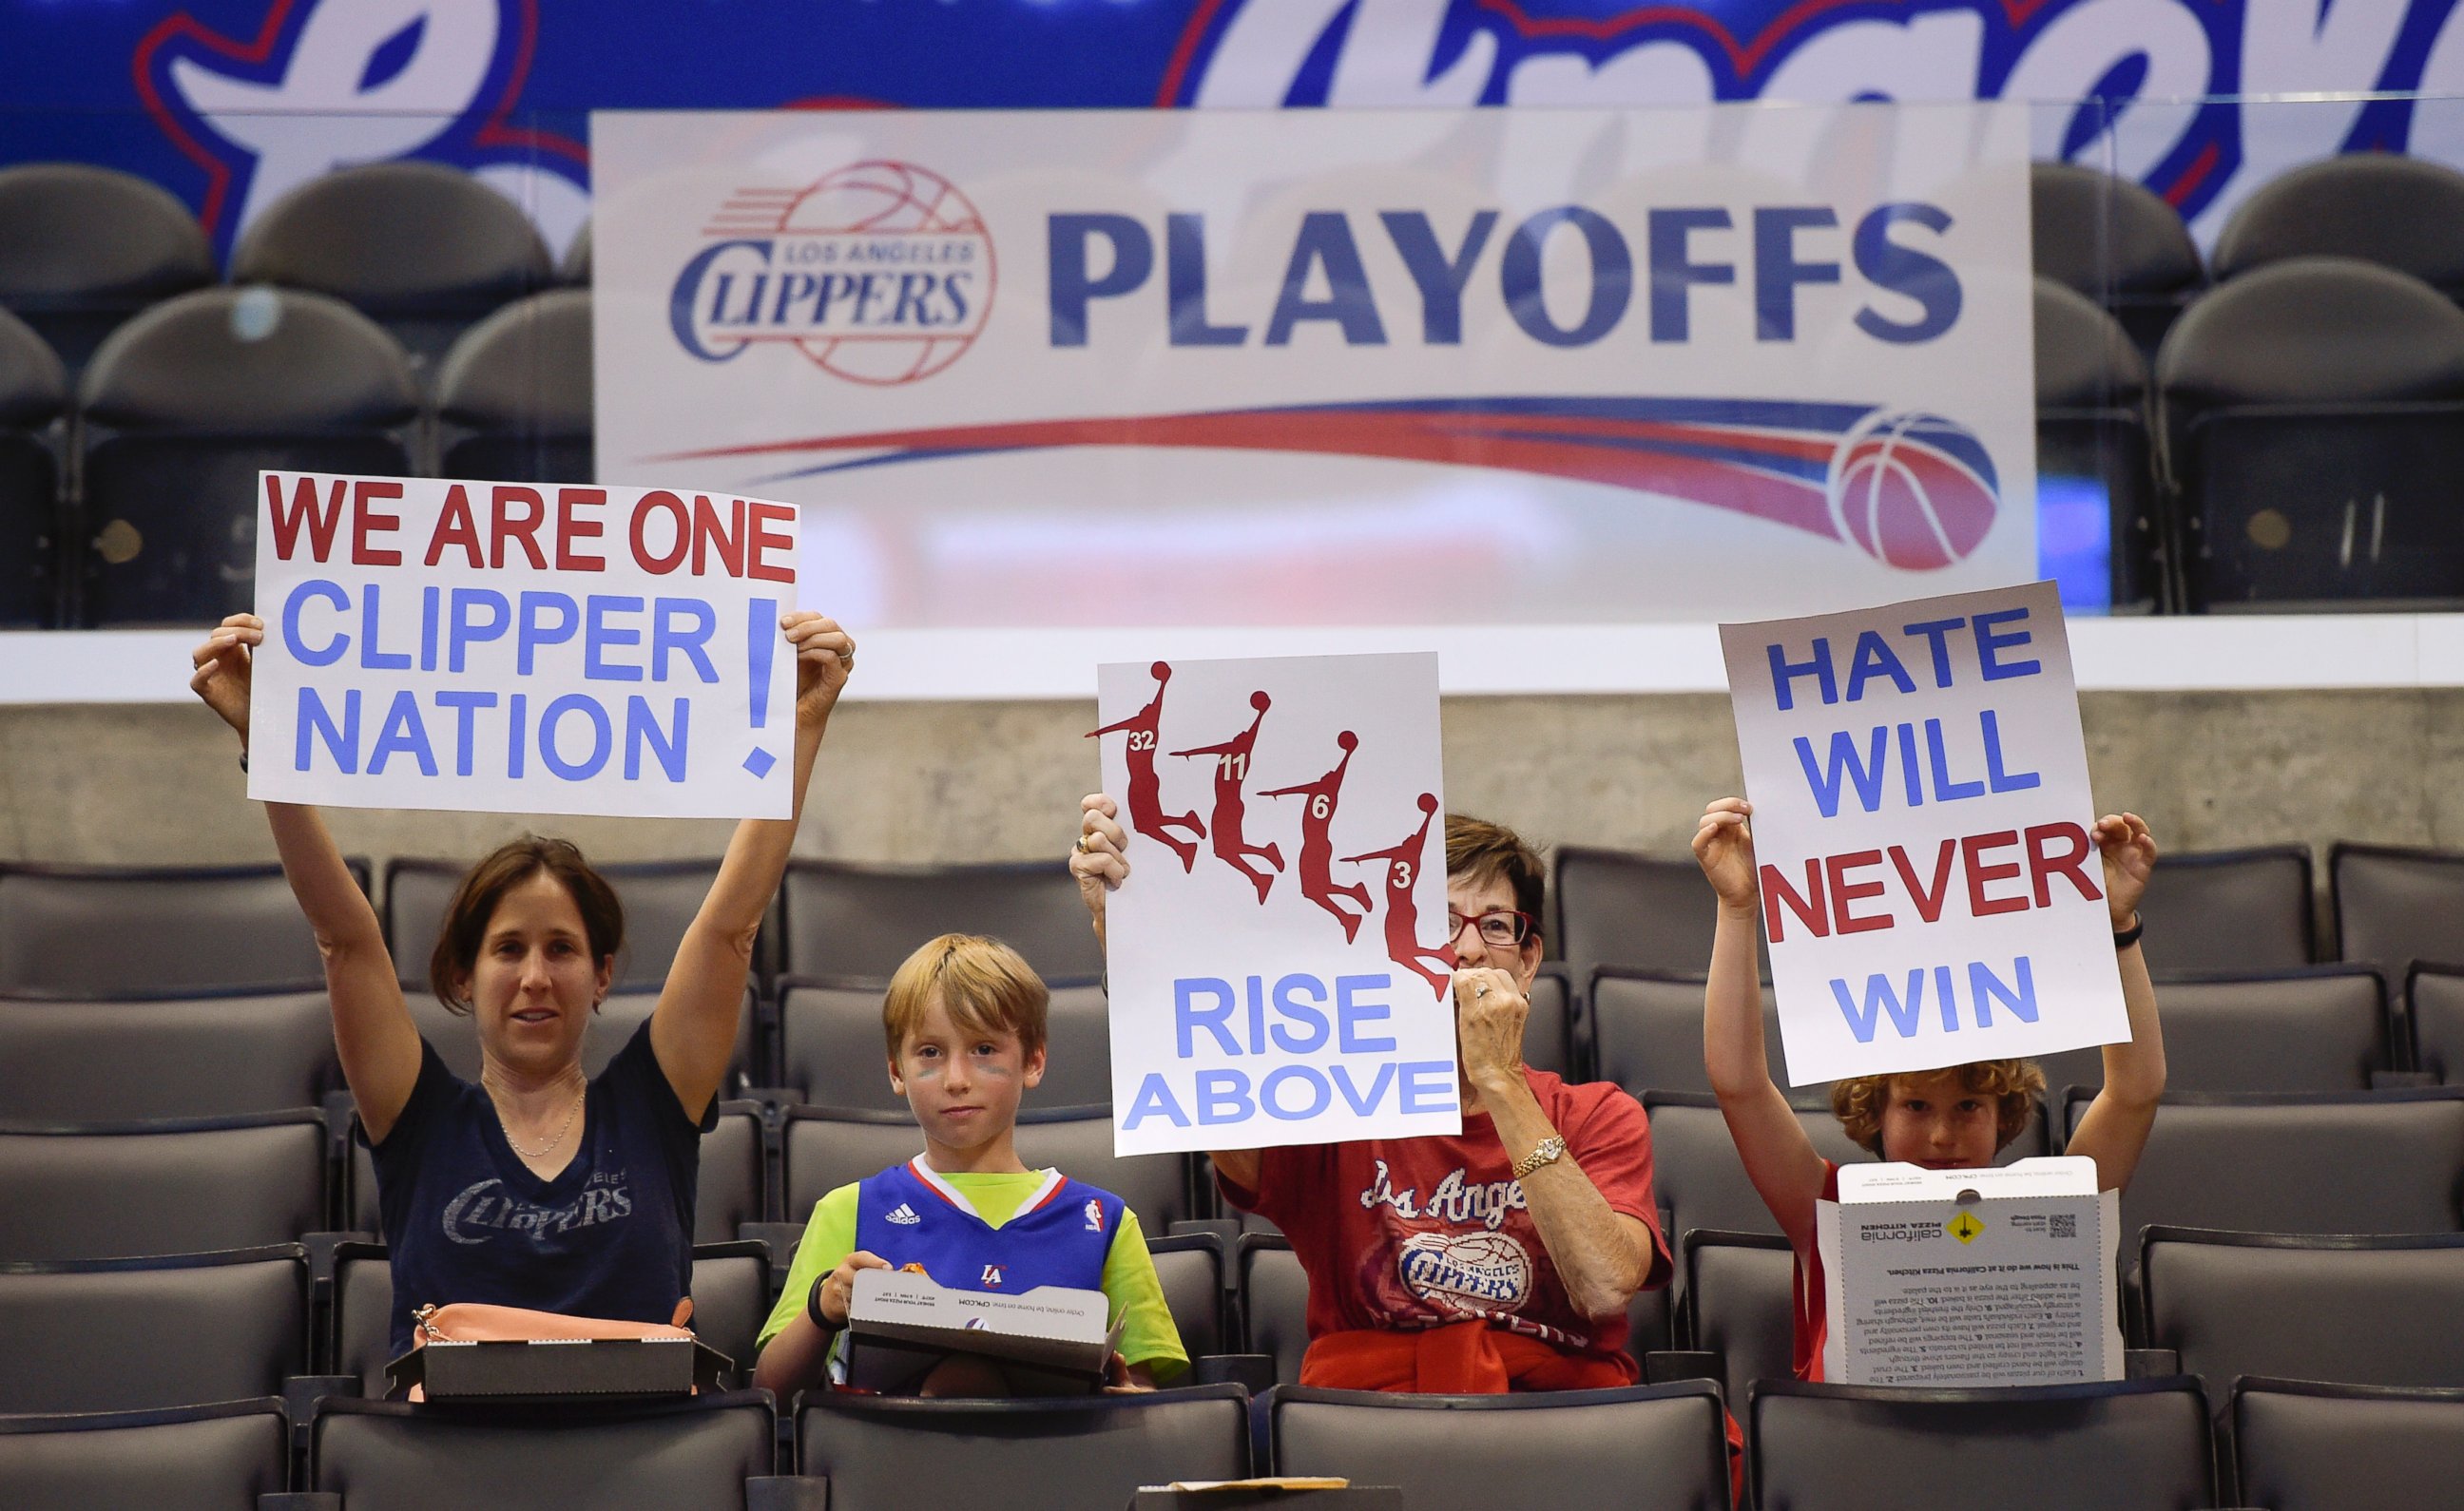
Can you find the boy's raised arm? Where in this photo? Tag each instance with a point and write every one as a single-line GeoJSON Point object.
{"type": "Point", "coordinates": [2114, 1130]}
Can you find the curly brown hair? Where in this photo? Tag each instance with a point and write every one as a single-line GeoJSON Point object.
{"type": "Point", "coordinates": [2018, 1085]}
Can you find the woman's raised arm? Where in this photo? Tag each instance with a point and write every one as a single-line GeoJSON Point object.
{"type": "Point", "coordinates": [693, 1030]}
{"type": "Point", "coordinates": [373, 1032]}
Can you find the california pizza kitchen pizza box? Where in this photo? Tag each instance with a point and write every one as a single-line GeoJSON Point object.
{"type": "Point", "coordinates": [1971, 1277]}
{"type": "Point", "coordinates": [1050, 1340]}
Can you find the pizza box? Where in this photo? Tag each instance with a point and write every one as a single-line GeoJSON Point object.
{"type": "Point", "coordinates": [1050, 1341]}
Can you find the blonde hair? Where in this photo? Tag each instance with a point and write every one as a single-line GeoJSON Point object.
{"type": "Point", "coordinates": [985, 986]}
{"type": "Point", "coordinates": [1858, 1101]}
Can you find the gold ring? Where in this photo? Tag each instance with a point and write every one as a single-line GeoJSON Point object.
{"type": "Point", "coordinates": [1479, 994]}
{"type": "Point", "coordinates": [1082, 846]}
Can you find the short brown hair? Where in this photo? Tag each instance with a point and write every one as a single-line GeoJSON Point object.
{"type": "Point", "coordinates": [985, 986]}
{"type": "Point", "coordinates": [485, 885]}
{"type": "Point", "coordinates": [1857, 1101]}
{"type": "Point", "coordinates": [1478, 850]}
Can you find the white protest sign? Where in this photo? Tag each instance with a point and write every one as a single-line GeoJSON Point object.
{"type": "Point", "coordinates": [1278, 963]}
{"type": "Point", "coordinates": [1930, 887]}
{"type": "Point", "coordinates": [512, 647]}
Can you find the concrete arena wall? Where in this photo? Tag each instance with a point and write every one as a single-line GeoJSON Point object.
{"type": "Point", "coordinates": [923, 783]}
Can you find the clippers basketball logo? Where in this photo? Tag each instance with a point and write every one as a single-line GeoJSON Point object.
{"type": "Point", "coordinates": [1913, 490]}
{"type": "Point", "coordinates": [1482, 1272]}
{"type": "Point", "coordinates": [881, 273]}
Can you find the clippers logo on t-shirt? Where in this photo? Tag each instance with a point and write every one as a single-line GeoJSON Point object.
{"type": "Point", "coordinates": [1475, 1272]}
{"type": "Point", "coordinates": [483, 1210]}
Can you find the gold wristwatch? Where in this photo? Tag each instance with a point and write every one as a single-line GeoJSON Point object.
{"type": "Point", "coordinates": [1549, 1152]}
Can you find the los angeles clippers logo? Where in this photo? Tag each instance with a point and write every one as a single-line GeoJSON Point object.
{"type": "Point", "coordinates": [327, 83]}
{"type": "Point", "coordinates": [880, 272]}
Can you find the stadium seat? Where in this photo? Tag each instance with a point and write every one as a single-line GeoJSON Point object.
{"type": "Point", "coordinates": [1549, 1033]}
{"type": "Point", "coordinates": [1617, 908]}
{"type": "Point", "coordinates": [390, 1455]}
{"type": "Point", "coordinates": [213, 1457]}
{"type": "Point", "coordinates": [150, 929]}
{"type": "Point", "coordinates": [660, 898]}
{"type": "Point", "coordinates": [2125, 1445]}
{"type": "Point", "coordinates": [1643, 1448]}
{"type": "Point", "coordinates": [2311, 1028]}
{"type": "Point", "coordinates": [1189, 1267]}
{"type": "Point", "coordinates": [2434, 1013]}
{"type": "Point", "coordinates": [457, 1041]}
{"type": "Point", "coordinates": [1739, 1304]}
{"type": "Point", "coordinates": [2372, 1162]}
{"type": "Point", "coordinates": [1274, 1303]}
{"type": "Point", "coordinates": [2397, 903]}
{"type": "Point", "coordinates": [1647, 1030]}
{"type": "Point", "coordinates": [127, 1335]}
{"type": "Point", "coordinates": [832, 1053]}
{"type": "Point", "coordinates": [1058, 1453]}
{"type": "Point", "coordinates": [72, 1060]}
{"type": "Point", "coordinates": [361, 1317]}
{"type": "Point", "coordinates": [177, 1186]}
{"type": "Point", "coordinates": [84, 247]}
{"type": "Point", "coordinates": [854, 921]}
{"type": "Point", "coordinates": [34, 399]}
{"type": "Point", "coordinates": [513, 396]}
{"type": "Point", "coordinates": [2115, 242]}
{"type": "Point", "coordinates": [2093, 455]}
{"type": "Point", "coordinates": [184, 406]}
{"type": "Point", "coordinates": [2300, 1445]}
{"type": "Point", "coordinates": [2401, 212]}
{"type": "Point", "coordinates": [826, 1148]}
{"type": "Point", "coordinates": [2230, 910]}
{"type": "Point", "coordinates": [424, 250]}
{"type": "Point", "coordinates": [2354, 1310]}
{"type": "Point", "coordinates": [575, 268]}
{"type": "Point", "coordinates": [2312, 417]}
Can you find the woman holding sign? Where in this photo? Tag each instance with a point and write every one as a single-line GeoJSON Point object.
{"type": "Point", "coordinates": [1957, 1118]}
{"type": "Point", "coordinates": [538, 1187]}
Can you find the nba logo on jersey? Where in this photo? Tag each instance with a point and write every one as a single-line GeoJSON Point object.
{"type": "Point", "coordinates": [1094, 1216]}
{"type": "Point", "coordinates": [992, 1276]}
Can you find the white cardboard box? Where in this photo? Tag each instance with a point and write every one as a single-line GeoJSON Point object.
{"type": "Point", "coordinates": [1971, 1277]}
{"type": "Point", "coordinates": [1051, 1340]}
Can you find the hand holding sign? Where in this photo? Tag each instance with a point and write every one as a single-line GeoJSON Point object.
{"type": "Point", "coordinates": [225, 670]}
{"type": "Point", "coordinates": [2129, 854]}
{"type": "Point", "coordinates": [1489, 1014]}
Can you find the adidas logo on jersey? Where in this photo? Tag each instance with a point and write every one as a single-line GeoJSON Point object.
{"type": "Point", "coordinates": [904, 1215]}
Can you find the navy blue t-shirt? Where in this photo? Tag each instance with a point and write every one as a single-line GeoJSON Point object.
{"type": "Point", "coordinates": [611, 1237]}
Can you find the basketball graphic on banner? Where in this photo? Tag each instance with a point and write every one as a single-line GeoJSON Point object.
{"type": "Point", "coordinates": [908, 250]}
{"type": "Point", "coordinates": [1914, 491]}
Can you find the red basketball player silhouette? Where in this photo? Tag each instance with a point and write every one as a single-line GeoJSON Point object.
{"type": "Point", "coordinates": [1146, 792]}
{"type": "Point", "coordinates": [1402, 914]}
{"type": "Point", "coordinates": [1231, 770]}
{"type": "Point", "coordinates": [1317, 843]}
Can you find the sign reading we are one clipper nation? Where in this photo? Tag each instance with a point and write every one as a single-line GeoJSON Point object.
{"type": "Point", "coordinates": [1361, 368]}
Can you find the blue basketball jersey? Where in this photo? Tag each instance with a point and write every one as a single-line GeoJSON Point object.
{"type": "Point", "coordinates": [1060, 1236]}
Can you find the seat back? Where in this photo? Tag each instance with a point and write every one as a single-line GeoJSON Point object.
{"type": "Point", "coordinates": [2312, 1308]}
{"type": "Point", "coordinates": [2300, 1445]}
{"type": "Point", "coordinates": [826, 1148]}
{"type": "Point", "coordinates": [361, 1320]}
{"type": "Point", "coordinates": [661, 899]}
{"type": "Point", "coordinates": [513, 396]}
{"type": "Point", "coordinates": [34, 396]}
{"type": "Point", "coordinates": [854, 921]}
{"type": "Point", "coordinates": [2434, 1009]}
{"type": "Point", "coordinates": [2230, 910]}
{"type": "Point", "coordinates": [177, 1186]}
{"type": "Point", "coordinates": [1739, 1304]}
{"type": "Point", "coordinates": [832, 1053]}
{"type": "Point", "coordinates": [386, 1455]}
{"type": "Point", "coordinates": [1649, 1448]}
{"type": "Point", "coordinates": [1647, 1030]}
{"type": "Point", "coordinates": [1618, 908]}
{"type": "Point", "coordinates": [1190, 1268]}
{"type": "Point", "coordinates": [2115, 241]}
{"type": "Point", "coordinates": [65, 1060]}
{"type": "Point", "coordinates": [2317, 1028]}
{"type": "Point", "coordinates": [1548, 1032]}
{"type": "Point", "coordinates": [128, 1335]}
{"type": "Point", "coordinates": [1274, 1303]}
{"type": "Point", "coordinates": [148, 931]}
{"type": "Point", "coordinates": [2395, 211]}
{"type": "Point", "coordinates": [2396, 904]}
{"type": "Point", "coordinates": [84, 248]}
{"type": "Point", "coordinates": [730, 1187]}
{"type": "Point", "coordinates": [2120, 1445]}
{"type": "Point", "coordinates": [212, 1457]}
{"type": "Point", "coordinates": [2096, 476]}
{"type": "Point", "coordinates": [731, 1300]}
{"type": "Point", "coordinates": [1050, 1455]}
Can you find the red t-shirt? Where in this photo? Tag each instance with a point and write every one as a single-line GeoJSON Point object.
{"type": "Point", "coordinates": [1408, 1234]}
{"type": "Point", "coordinates": [1812, 1321]}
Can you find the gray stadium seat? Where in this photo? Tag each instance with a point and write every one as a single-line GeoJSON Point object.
{"type": "Point", "coordinates": [832, 1053]}
{"type": "Point", "coordinates": [2092, 434]}
{"type": "Point", "coordinates": [76, 1060]}
{"type": "Point", "coordinates": [2366, 1311]}
{"type": "Point", "coordinates": [1274, 1303]}
{"type": "Point", "coordinates": [1549, 1033]}
{"type": "Point", "coordinates": [2115, 241]}
{"type": "Point", "coordinates": [2400, 213]}
{"type": "Point", "coordinates": [2300, 1445]}
{"type": "Point", "coordinates": [212, 1457]}
{"type": "Point", "coordinates": [661, 899]}
{"type": "Point", "coordinates": [127, 1335]}
{"type": "Point", "coordinates": [854, 921]}
{"type": "Point", "coordinates": [176, 1186]}
{"type": "Point", "coordinates": [1642, 1448]}
{"type": "Point", "coordinates": [2435, 1012]}
{"type": "Point", "coordinates": [151, 929]}
{"type": "Point", "coordinates": [1739, 1304]}
{"type": "Point", "coordinates": [1617, 908]}
{"type": "Point", "coordinates": [2125, 1445]}
{"type": "Point", "coordinates": [1647, 1032]}
{"type": "Point", "coordinates": [390, 1455]}
{"type": "Point", "coordinates": [513, 396]}
{"type": "Point", "coordinates": [362, 1317]}
{"type": "Point", "coordinates": [1059, 1453]}
{"type": "Point", "coordinates": [181, 408]}
{"type": "Point", "coordinates": [2315, 1028]}
{"type": "Point", "coordinates": [1190, 1268]}
{"type": "Point", "coordinates": [2397, 903]}
{"type": "Point", "coordinates": [2371, 1162]}
{"type": "Point", "coordinates": [826, 1148]}
{"type": "Point", "coordinates": [2230, 910]}
{"type": "Point", "coordinates": [34, 400]}
{"type": "Point", "coordinates": [2312, 422]}
{"type": "Point", "coordinates": [424, 250]}
{"type": "Point", "coordinates": [457, 1040]}
{"type": "Point", "coordinates": [84, 247]}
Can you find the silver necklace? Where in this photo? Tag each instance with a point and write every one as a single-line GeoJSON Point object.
{"type": "Point", "coordinates": [541, 1153]}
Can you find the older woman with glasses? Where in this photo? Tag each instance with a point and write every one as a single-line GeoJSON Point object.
{"type": "Point", "coordinates": [1500, 1258]}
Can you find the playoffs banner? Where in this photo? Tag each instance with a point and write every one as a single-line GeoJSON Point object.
{"type": "Point", "coordinates": [506, 648]}
{"type": "Point", "coordinates": [1931, 888]}
{"type": "Point", "coordinates": [1278, 963]}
